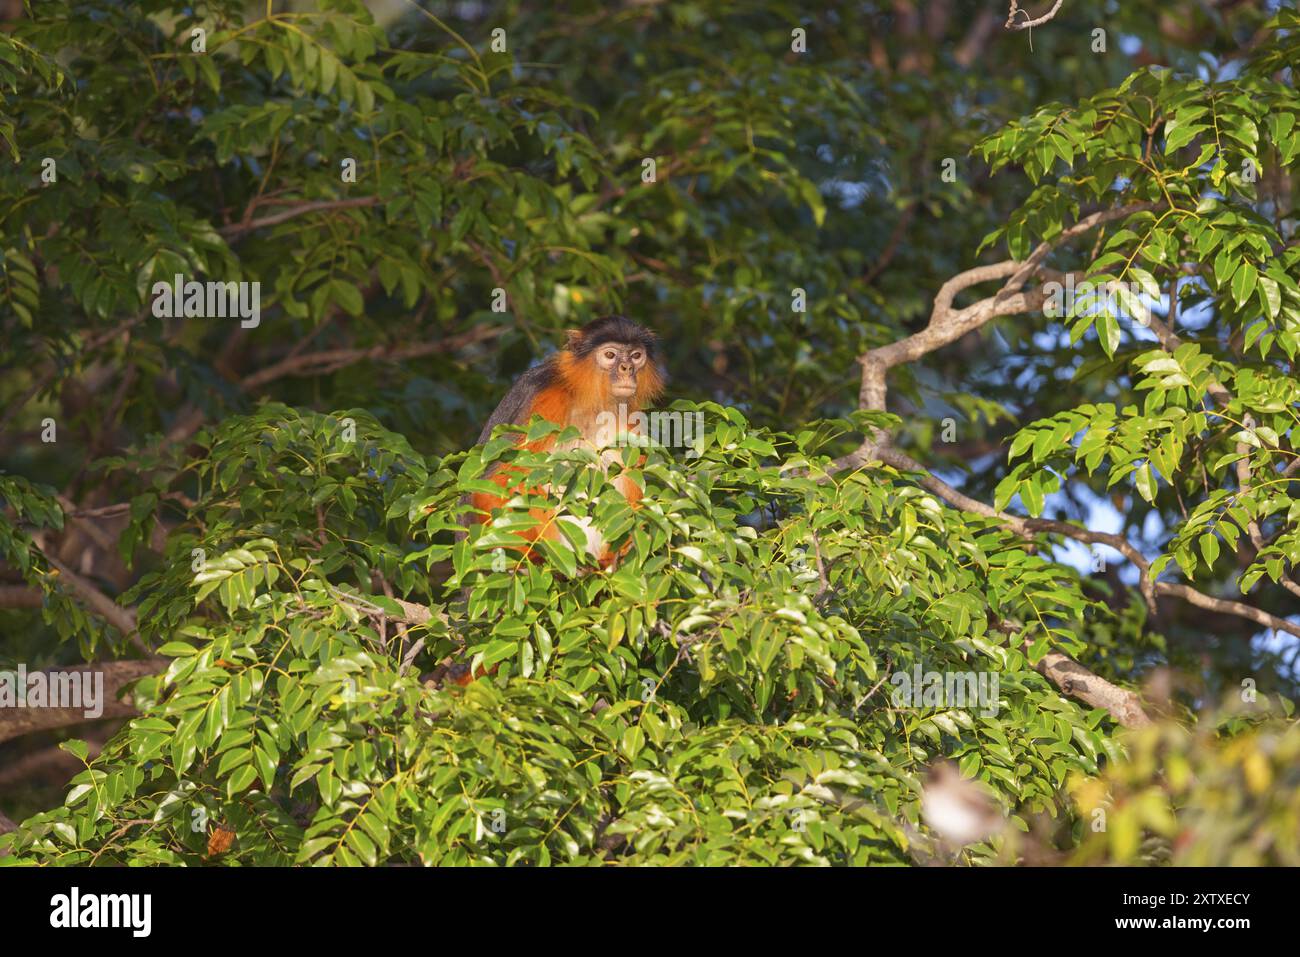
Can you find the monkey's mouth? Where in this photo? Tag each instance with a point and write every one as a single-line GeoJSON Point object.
{"type": "Point", "coordinates": [622, 388]}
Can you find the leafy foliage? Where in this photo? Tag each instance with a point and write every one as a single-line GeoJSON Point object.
{"type": "Point", "coordinates": [742, 700]}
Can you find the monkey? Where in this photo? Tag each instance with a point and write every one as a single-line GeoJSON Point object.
{"type": "Point", "coordinates": [609, 363]}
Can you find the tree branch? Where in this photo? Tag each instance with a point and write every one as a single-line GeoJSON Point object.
{"type": "Point", "coordinates": [891, 245]}
{"type": "Point", "coordinates": [236, 231]}
{"type": "Point", "coordinates": [123, 619]}
{"type": "Point", "coordinates": [21, 596]}
{"type": "Point", "coordinates": [1227, 606]}
{"type": "Point", "coordinates": [331, 360]}
{"type": "Point", "coordinates": [15, 722]}
{"type": "Point", "coordinates": [1027, 23]}
{"type": "Point", "coordinates": [946, 325]}
{"type": "Point", "coordinates": [1078, 682]}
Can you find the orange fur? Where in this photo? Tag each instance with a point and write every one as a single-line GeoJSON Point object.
{"type": "Point", "coordinates": [580, 392]}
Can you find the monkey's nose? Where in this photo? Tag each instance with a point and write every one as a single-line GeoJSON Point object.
{"type": "Point", "coordinates": [625, 367]}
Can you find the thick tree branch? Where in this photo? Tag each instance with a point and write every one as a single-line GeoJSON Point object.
{"type": "Point", "coordinates": [947, 324]}
{"type": "Point", "coordinates": [15, 722]}
{"type": "Point", "coordinates": [1078, 682]}
{"type": "Point", "coordinates": [21, 596]}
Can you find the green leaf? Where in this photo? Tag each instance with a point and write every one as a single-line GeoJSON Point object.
{"type": "Point", "coordinates": [1270, 296]}
{"type": "Point", "coordinates": [1108, 332]}
{"type": "Point", "coordinates": [348, 296]}
{"type": "Point", "coordinates": [1145, 480]}
{"type": "Point", "coordinates": [1243, 283]}
{"type": "Point", "coordinates": [1209, 549]}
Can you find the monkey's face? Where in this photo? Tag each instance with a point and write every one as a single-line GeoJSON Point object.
{"type": "Point", "coordinates": [621, 361]}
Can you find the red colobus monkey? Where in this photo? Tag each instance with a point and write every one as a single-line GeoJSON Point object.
{"type": "Point", "coordinates": [608, 368]}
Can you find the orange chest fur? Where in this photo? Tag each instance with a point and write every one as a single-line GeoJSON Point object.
{"type": "Point", "coordinates": [597, 426]}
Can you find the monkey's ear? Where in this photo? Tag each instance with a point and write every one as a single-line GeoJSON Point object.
{"type": "Point", "coordinates": [572, 337]}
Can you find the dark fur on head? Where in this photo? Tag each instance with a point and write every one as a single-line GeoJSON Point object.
{"type": "Point", "coordinates": [612, 329]}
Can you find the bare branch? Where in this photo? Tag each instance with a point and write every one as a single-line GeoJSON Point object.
{"type": "Point", "coordinates": [1027, 23]}
{"type": "Point", "coordinates": [410, 656]}
{"type": "Point", "coordinates": [237, 231]}
{"type": "Point", "coordinates": [330, 360]}
{"type": "Point", "coordinates": [947, 324]}
{"type": "Point", "coordinates": [1078, 682]}
{"type": "Point", "coordinates": [15, 722]}
{"type": "Point", "coordinates": [21, 596]}
{"type": "Point", "coordinates": [1228, 607]}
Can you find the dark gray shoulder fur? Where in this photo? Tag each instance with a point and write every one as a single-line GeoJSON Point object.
{"type": "Point", "coordinates": [513, 408]}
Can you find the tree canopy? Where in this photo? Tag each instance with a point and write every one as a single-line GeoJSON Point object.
{"type": "Point", "coordinates": [991, 329]}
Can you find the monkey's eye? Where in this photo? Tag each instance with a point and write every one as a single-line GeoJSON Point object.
{"type": "Point", "coordinates": [636, 357]}
{"type": "Point", "coordinates": [609, 355]}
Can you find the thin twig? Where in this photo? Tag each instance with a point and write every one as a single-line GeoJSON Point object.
{"type": "Point", "coordinates": [237, 231]}
{"type": "Point", "coordinates": [1029, 23]}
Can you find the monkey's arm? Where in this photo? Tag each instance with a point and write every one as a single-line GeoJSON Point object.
{"type": "Point", "coordinates": [515, 409]}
